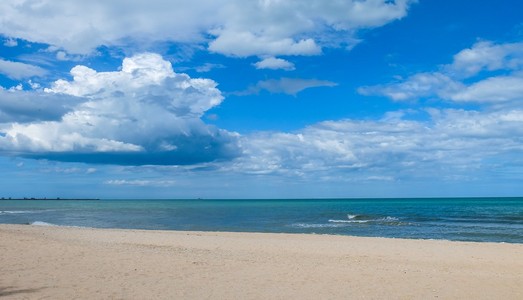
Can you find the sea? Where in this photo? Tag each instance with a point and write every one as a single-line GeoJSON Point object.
{"type": "Point", "coordinates": [456, 219]}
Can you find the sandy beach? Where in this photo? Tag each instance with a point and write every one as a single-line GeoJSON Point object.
{"type": "Point", "coordinates": [39, 262]}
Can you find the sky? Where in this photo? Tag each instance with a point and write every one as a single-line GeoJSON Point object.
{"type": "Point", "coordinates": [261, 99]}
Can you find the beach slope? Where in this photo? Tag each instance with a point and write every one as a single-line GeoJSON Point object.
{"type": "Point", "coordinates": [65, 263]}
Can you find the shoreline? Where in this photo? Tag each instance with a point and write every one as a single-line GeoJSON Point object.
{"type": "Point", "coordinates": [45, 224]}
{"type": "Point", "coordinates": [460, 220]}
{"type": "Point", "coordinates": [85, 263]}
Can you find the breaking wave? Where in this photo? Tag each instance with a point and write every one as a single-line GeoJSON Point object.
{"type": "Point", "coordinates": [352, 219]}
{"type": "Point", "coordinates": [41, 223]}
{"type": "Point", "coordinates": [308, 225]}
{"type": "Point", "coordinates": [365, 219]}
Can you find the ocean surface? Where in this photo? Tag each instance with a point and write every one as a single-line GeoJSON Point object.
{"type": "Point", "coordinates": [461, 219]}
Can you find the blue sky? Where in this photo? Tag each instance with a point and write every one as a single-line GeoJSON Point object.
{"type": "Point", "coordinates": [261, 99]}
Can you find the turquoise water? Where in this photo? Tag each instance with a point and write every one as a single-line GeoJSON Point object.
{"type": "Point", "coordinates": [464, 219]}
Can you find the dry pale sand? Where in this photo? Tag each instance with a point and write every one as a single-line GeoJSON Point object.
{"type": "Point", "coordinates": [74, 263]}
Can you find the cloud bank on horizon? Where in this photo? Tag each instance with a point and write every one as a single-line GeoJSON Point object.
{"type": "Point", "coordinates": [108, 91]}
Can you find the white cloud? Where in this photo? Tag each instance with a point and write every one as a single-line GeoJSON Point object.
{"type": "Point", "coordinates": [415, 87]}
{"type": "Point", "coordinates": [18, 70]}
{"type": "Point", "coordinates": [64, 56]}
{"type": "Point", "coordinates": [232, 27]}
{"type": "Point", "coordinates": [450, 143]}
{"type": "Point", "coordinates": [71, 170]}
{"type": "Point", "coordinates": [477, 64]}
{"type": "Point", "coordinates": [142, 182]}
{"type": "Point", "coordinates": [61, 55]}
{"type": "Point", "coordinates": [488, 56]}
{"type": "Point", "coordinates": [494, 89]}
{"type": "Point", "coordinates": [244, 44]}
{"type": "Point", "coordinates": [294, 27]}
{"type": "Point", "coordinates": [150, 79]}
{"type": "Point", "coordinates": [274, 63]}
{"type": "Point", "coordinates": [34, 85]}
{"type": "Point", "coordinates": [207, 67]}
{"type": "Point", "coordinates": [10, 42]}
{"type": "Point", "coordinates": [18, 87]}
{"type": "Point", "coordinates": [31, 106]}
{"type": "Point", "coordinates": [93, 23]}
{"type": "Point", "coordinates": [290, 86]}
{"type": "Point", "coordinates": [143, 114]}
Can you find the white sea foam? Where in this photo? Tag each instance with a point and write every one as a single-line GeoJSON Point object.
{"type": "Point", "coordinates": [349, 221]}
{"type": "Point", "coordinates": [41, 223]}
{"type": "Point", "coordinates": [12, 212]}
{"type": "Point", "coordinates": [388, 219]}
{"type": "Point", "coordinates": [308, 225]}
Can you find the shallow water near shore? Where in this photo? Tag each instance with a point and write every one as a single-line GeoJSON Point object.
{"type": "Point", "coordinates": [461, 219]}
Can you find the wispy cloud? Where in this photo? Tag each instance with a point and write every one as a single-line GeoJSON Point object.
{"type": "Point", "coordinates": [274, 64]}
{"type": "Point", "coordinates": [207, 67]}
{"type": "Point", "coordinates": [486, 73]}
{"type": "Point", "coordinates": [289, 86]}
{"type": "Point", "coordinates": [141, 182]}
{"type": "Point", "coordinates": [18, 70]}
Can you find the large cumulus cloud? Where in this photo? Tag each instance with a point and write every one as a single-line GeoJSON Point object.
{"type": "Point", "coordinates": [143, 114]}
